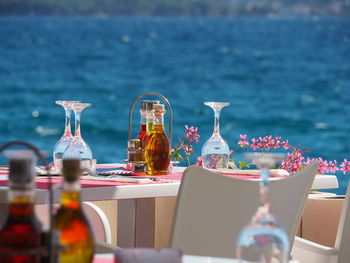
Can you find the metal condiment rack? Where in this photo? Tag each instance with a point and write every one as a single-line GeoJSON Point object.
{"type": "Point", "coordinates": [50, 246]}
{"type": "Point", "coordinates": [170, 114]}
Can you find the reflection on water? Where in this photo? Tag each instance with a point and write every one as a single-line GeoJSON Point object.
{"type": "Point", "coordinates": [286, 77]}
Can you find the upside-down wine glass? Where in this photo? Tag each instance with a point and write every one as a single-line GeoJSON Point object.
{"type": "Point", "coordinates": [78, 148]}
{"type": "Point", "coordinates": [215, 151]}
{"type": "Point", "coordinates": [263, 240]}
{"type": "Point", "coordinates": [67, 136]}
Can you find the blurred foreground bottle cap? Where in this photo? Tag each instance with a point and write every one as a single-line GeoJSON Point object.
{"type": "Point", "coordinates": [71, 169]}
{"type": "Point", "coordinates": [21, 174]}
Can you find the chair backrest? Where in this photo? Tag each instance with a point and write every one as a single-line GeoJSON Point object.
{"type": "Point", "coordinates": [98, 222]}
{"type": "Point", "coordinates": [97, 219]}
{"type": "Point", "coordinates": [211, 209]}
{"type": "Point", "coordinates": [342, 241]}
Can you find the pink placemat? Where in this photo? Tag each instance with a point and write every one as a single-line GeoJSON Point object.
{"type": "Point", "coordinates": [178, 176]}
{"type": "Point", "coordinates": [43, 183]}
{"type": "Point", "coordinates": [3, 171]}
{"type": "Point", "coordinates": [103, 259]}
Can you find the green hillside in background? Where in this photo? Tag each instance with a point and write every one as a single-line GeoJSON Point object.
{"type": "Point", "coordinates": [176, 7]}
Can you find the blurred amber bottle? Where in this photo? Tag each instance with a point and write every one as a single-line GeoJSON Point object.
{"type": "Point", "coordinates": [75, 232]}
{"type": "Point", "coordinates": [157, 152]}
{"type": "Point", "coordinates": [21, 231]}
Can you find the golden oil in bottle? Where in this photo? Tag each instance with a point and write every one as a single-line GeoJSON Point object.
{"type": "Point", "coordinates": [21, 231]}
{"type": "Point", "coordinates": [75, 232]}
{"type": "Point", "coordinates": [157, 151]}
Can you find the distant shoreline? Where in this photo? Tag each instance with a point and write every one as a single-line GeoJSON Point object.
{"type": "Point", "coordinates": [315, 17]}
{"type": "Point", "coordinates": [226, 8]}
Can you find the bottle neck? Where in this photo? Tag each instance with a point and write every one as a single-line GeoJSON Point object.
{"type": "Point", "coordinates": [70, 196]}
{"type": "Point", "coordinates": [21, 196]}
{"type": "Point", "coordinates": [143, 115]}
{"type": "Point", "coordinates": [149, 121]}
{"type": "Point", "coordinates": [21, 202]}
{"type": "Point", "coordinates": [158, 119]}
{"type": "Point", "coordinates": [158, 122]}
{"type": "Point", "coordinates": [143, 124]}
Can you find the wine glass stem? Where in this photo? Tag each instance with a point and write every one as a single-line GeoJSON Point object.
{"type": "Point", "coordinates": [216, 122]}
{"type": "Point", "coordinates": [264, 186]}
{"type": "Point", "coordinates": [67, 129]}
{"type": "Point", "coordinates": [77, 133]}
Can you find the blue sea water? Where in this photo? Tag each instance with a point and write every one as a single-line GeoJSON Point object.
{"type": "Point", "coordinates": [286, 77]}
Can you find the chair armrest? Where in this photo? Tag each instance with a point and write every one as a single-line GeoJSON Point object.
{"type": "Point", "coordinates": [304, 244]}
{"type": "Point", "coordinates": [102, 248]}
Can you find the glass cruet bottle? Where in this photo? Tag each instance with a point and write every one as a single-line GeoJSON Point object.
{"type": "Point", "coordinates": [215, 151]}
{"type": "Point", "coordinates": [146, 114]}
{"type": "Point", "coordinates": [143, 121]}
{"type": "Point", "coordinates": [149, 124]}
{"type": "Point", "coordinates": [157, 152]}
{"type": "Point", "coordinates": [21, 231]}
{"type": "Point", "coordinates": [75, 231]}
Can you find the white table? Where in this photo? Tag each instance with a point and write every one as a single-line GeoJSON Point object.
{"type": "Point", "coordinates": [187, 259]}
{"type": "Point", "coordinates": [136, 206]}
{"type": "Point", "coordinates": [321, 182]}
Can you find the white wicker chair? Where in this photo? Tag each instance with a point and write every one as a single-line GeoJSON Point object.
{"type": "Point", "coordinates": [211, 209]}
{"type": "Point", "coordinates": [310, 252]}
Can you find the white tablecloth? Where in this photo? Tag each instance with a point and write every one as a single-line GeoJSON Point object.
{"type": "Point", "coordinates": [188, 259]}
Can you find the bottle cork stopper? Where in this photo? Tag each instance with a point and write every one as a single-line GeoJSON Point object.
{"type": "Point", "coordinates": [21, 174]}
{"type": "Point", "coordinates": [158, 110]}
{"type": "Point", "coordinates": [71, 170]}
{"type": "Point", "coordinates": [158, 106]}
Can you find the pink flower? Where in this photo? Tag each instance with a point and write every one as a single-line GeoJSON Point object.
{"type": "Point", "coordinates": [293, 163]}
{"type": "Point", "coordinates": [243, 136]}
{"type": "Point", "coordinates": [345, 166]}
{"type": "Point", "coordinates": [295, 159]}
{"type": "Point", "coordinates": [243, 141]}
{"type": "Point", "coordinates": [332, 166]}
{"type": "Point", "coordinates": [191, 134]}
{"type": "Point", "coordinates": [182, 143]}
{"type": "Point", "coordinates": [255, 144]}
{"type": "Point", "coordinates": [278, 138]}
{"type": "Point", "coordinates": [285, 145]}
{"type": "Point", "coordinates": [199, 161]}
{"type": "Point", "coordinates": [188, 150]}
{"type": "Point", "coordinates": [308, 161]}
{"type": "Point", "coordinates": [323, 165]}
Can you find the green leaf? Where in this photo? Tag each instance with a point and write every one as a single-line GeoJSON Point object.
{"type": "Point", "coordinates": [243, 164]}
{"type": "Point", "coordinates": [233, 162]}
{"type": "Point", "coordinates": [176, 154]}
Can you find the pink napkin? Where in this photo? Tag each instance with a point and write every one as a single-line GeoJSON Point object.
{"type": "Point", "coordinates": [148, 255]}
